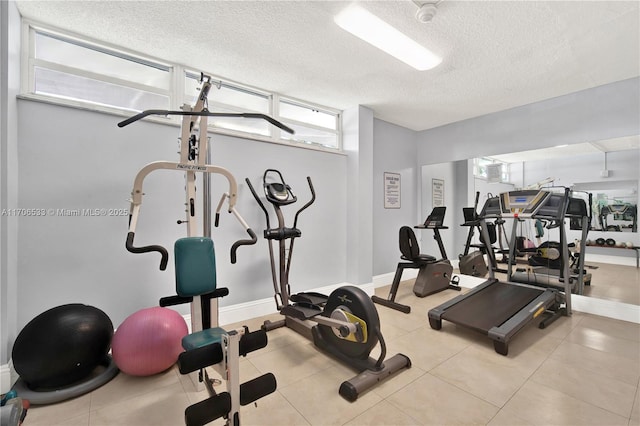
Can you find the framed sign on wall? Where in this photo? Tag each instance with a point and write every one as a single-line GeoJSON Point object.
{"type": "Point", "coordinates": [437, 188]}
{"type": "Point", "coordinates": [391, 190]}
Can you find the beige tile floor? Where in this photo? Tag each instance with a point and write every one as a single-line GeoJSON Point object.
{"type": "Point", "coordinates": [582, 370]}
{"type": "Point", "coordinates": [612, 282]}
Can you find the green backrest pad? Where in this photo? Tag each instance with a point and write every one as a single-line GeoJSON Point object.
{"type": "Point", "coordinates": [195, 263]}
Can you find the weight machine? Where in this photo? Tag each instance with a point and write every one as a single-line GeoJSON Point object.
{"type": "Point", "coordinates": [208, 344]}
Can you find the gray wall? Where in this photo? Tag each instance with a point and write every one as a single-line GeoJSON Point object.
{"type": "Point", "coordinates": [457, 187]}
{"type": "Point", "coordinates": [622, 166]}
{"type": "Point", "coordinates": [358, 145]}
{"type": "Point", "coordinates": [394, 151]}
{"type": "Point", "coordinates": [9, 88]}
{"type": "Point", "coordinates": [80, 159]}
{"type": "Point", "coordinates": [452, 184]}
{"type": "Point", "coordinates": [604, 112]}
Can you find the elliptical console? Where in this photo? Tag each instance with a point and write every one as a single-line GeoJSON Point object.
{"type": "Point", "coordinates": [344, 324]}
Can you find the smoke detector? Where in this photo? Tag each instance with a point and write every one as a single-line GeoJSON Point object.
{"type": "Point", "coordinates": [426, 12]}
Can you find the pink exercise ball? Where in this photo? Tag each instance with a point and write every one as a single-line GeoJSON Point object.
{"type": "Point", "coordinates": [148, 341]}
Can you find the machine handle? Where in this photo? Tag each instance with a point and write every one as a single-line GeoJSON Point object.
{"type": "Point", "coordinates": [239, 243]}
{"type": "Point", "coordinates": [244, 224]}
{"type": "Point", "coordinates": [313, 198]}
{"type": "Point", "coordinates": [205, 113]}
{"type": "Point", "coordinates": [146, 249]}
{"type": "Point", "coordinates": [255, 195]}
{"type": "Point", "coordinates": [475, 206]}
{"type": "Point", "coordinates": [590, 209]}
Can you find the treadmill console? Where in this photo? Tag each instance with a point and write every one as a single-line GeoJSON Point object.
{"type": "Point", "coordinates": [491, 209]}
{"type": "Point", "coordinates": [552, 208]}
{"type": "Point", "coordinates": [523, 204]}
{"type": "Point", "coordinates": [577, 208]}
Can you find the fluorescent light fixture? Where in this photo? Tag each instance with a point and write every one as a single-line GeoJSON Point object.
{"type": "Point", "coordinates": [561, 146]}
{"type": "Point", "coordinates": [375, 31]}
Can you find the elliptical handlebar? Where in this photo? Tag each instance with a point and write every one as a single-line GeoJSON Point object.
{"type": "Point", "coordinates": [313, 198]}
{"type": "Point", "coordinates": [255, 195]}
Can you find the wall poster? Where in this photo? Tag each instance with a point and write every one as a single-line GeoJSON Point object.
{"type": "Point", "coordinates": [391, 190]}
{"type": "Point", "coordinates": [437, 187]}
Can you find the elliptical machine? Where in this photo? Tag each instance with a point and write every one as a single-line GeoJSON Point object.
{"type": "Point", "coordinates": [345, 324]}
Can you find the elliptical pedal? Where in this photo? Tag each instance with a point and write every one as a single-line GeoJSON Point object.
{"type": "Point", "coordinates": [301, 311]}
{"type": "Point", "coordinates": [310, 298]}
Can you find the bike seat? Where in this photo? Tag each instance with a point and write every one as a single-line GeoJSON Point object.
{"type": "Point", "coordinates": [410, 249]}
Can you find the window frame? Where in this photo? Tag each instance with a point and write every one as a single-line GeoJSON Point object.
{"type": "Point", "coordinates": [211, 101]}
{"type": "Point", "coordinates": [30, 63]}
{"type": "Point", "coordinates": [178, 75]}
{"type": "Point", "coordinates": [505, 176]}
{"type": "Point", "coordinates": [326, 110]}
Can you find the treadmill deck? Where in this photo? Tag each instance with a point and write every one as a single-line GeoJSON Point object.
{"type": "Point", "coordinates": [492, 306]}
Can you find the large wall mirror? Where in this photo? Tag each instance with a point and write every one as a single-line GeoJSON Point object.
{"type": "Point", "coordinates": [615, 205]}
{"type": "Point", "coordinates": [609, 170]}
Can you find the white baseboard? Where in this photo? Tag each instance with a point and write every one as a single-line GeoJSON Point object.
{"type": "Point", "coordinates": [606, 308]}
{"type": "Point", "coordinates": [6, 378]}
{"type": "Point", "coordinates": [614, 260]}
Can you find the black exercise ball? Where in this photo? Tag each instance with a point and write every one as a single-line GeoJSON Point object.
{"type": "Point", "coordinates": [600, 241]}
{"type": "Point", "coordinates": [610, 242]}
{"type": "Point", "coordinates": [62, 345]}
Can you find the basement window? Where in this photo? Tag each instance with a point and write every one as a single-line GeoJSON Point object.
{"type": "Point", "coordinates": [74, 71]}
{"type": "Point", "coordinates": [77, 71]}
{"type": "Point", "coordinates": [312, 125]}
{"type": "Point", "coordinates": [491, 170]}
{"type": "Point", "coordinates": [226, 97]}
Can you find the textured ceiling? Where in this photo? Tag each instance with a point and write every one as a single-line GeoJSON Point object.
{"type": "Point", "coordinates": [497, 54]}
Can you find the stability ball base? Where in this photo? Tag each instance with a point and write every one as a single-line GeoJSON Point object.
{"type": "Point", "coordinates": [62, 346]}
{"type": "Point", "coordinates": [101, 375]}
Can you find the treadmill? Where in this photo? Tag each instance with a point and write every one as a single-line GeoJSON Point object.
{"type": "Point", "coordinates": [579, 218]}
{"type": "Point", "coordinates": [500, 309]}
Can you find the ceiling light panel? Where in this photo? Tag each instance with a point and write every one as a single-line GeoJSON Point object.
{"type": "Point", "coordinates": [378, 33]}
